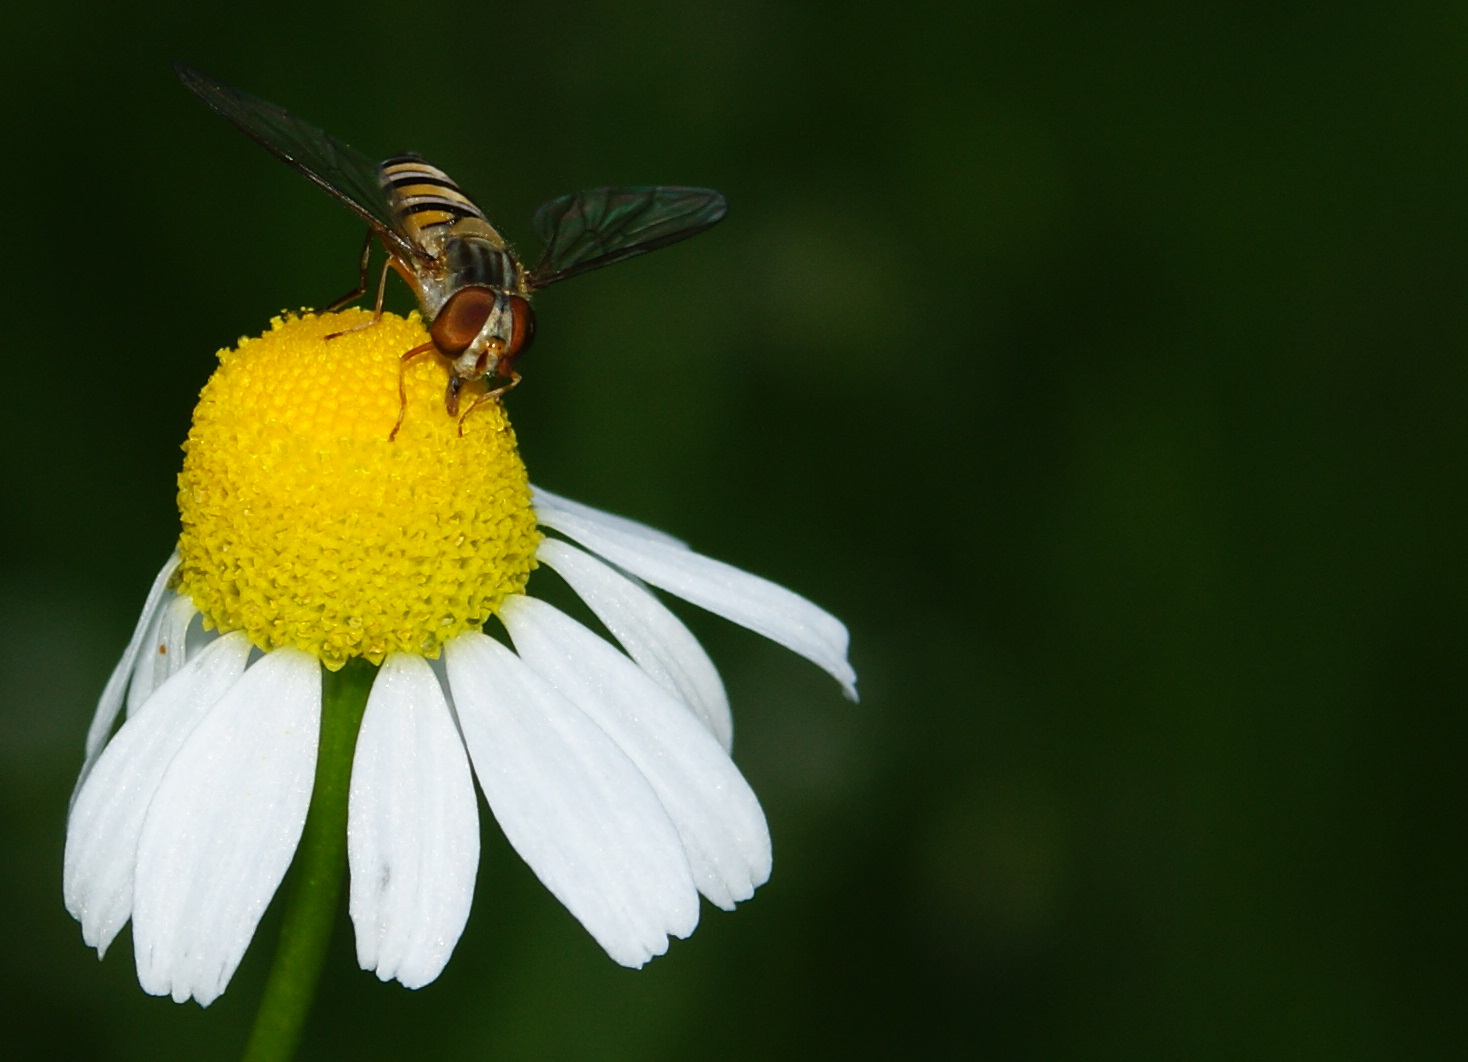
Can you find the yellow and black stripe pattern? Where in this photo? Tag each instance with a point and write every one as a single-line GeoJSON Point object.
{"type": "Point", "coordinates": [423, 198]}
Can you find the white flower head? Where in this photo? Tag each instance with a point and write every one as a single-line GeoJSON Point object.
{"type": "Point", "coordinates": [309, 538]}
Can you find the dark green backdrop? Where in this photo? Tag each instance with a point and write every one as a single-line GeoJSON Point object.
{"type": "Point", "coordinates": [1105, 371]}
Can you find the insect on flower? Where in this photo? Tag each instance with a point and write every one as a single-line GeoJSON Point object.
{"type": "Point", "coordinates": [468, 281]}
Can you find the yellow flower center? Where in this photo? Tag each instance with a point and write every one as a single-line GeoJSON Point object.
{"type": "Point", "coordinates": [304, 525]}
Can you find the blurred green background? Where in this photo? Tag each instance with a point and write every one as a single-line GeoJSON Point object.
{"type": "Point", "coordinates": [1103, 369]}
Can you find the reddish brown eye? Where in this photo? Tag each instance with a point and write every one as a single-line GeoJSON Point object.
{"type": "Point", "coordinates": [522, 334]}
{"type": "Point", "coordinates": [461, 319]}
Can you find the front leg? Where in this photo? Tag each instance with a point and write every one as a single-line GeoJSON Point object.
{"type": "Point", "coordinates": [403, 386]}
{"type": "Point", "coordinates": [488, 396]}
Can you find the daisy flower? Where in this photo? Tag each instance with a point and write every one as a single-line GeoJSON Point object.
{"type": "Point", "coordinates": [310, 539]}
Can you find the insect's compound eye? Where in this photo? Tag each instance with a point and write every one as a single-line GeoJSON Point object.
{"type": "Point", "coordinates": [522, 333]}
{"type": "Point", "coordinates": [461, 319]}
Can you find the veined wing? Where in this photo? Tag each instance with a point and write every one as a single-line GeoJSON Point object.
{"type": "Point", "coordinates": [596, 227]}
{"type": "Point", "coordinates": [340, 169]}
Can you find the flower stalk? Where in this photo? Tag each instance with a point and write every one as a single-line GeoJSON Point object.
{"type": "Point", "coordinates": [321, 864]}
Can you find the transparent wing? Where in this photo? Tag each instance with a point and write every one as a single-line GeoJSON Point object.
{"type": "Point", "coordinates": [596, 227]}
{"type": "Point", "coordinates": [340, 169]}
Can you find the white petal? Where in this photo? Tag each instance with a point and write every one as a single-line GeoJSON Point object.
{"type": "Point", "coordinates": [140, 685]}
{"type": "Point", "coordinates": [111, 700]}
{"type": "Point", "coordinates": [572, 804]}
{"type": "Point", "coordinates": [412, 828]}
{"type": "Point", "coordinates": [164, 651]}
{"type": "Point", "coordinates": [764, 607]}
{"type": "Point", "coordinates": [544, 502]}
{"type": "Point", "coordinates": [717, 815]}
{"type": "Point", "coordinates": [223, 826]}
{"type": "Point", "coordinates": [107, 816]}
{"type": "Point", "coordinates": [656, 639]}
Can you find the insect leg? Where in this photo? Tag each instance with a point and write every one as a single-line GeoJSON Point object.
{"type": "Point", "coordinates": [361, 288]}
{"type": "Point", "coordinates": [381, 290]}
{"type": "Point", "coordinates": [377, 313]}
{"type": "Point", "coordinates": [402, 386]}
{"type": "Point", "coordinates": [488, 396]}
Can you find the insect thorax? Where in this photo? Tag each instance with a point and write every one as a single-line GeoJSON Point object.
{"type": "Point", "coordinates": [477, 260]}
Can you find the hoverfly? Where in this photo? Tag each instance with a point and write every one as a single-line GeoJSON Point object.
{"type": "Point", "coordinates": [471, 287]}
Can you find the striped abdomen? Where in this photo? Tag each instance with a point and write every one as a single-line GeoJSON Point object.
{"type": "Point", "coordinates": [425, 201]}
{"type": "Point", "coordinates": [435, 215]}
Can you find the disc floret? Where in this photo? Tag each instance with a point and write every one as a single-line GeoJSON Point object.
{"type": "Point", "coordinates": [305, 525]}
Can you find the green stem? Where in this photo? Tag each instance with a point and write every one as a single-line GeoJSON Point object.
{"type": "Point", "coordinates": [321, 863]}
